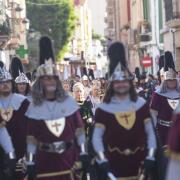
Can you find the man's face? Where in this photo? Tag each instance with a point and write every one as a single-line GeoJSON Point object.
{"type": "Point", "coordinates": [21, 88]}
{"type": "Point", "coordinates": [5, 87]}
{"type": "Point", "coordinates": [49, 83]}
{"type": "Point", "coordinates": [172, 84]}
{"type": "Point", "coordinates": [121, 87]}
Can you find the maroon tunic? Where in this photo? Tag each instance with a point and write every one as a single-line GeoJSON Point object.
{"type": "Point", "coordinates": [17, 129]}
{"type": "Point", "coordinates": [174, 138]}
{"type": "Point", "coordinates": [126, 148]}
{"type": "Point", "coordinates": [52, 163]}
{"type": "Point", "coordinates": [160, 104]}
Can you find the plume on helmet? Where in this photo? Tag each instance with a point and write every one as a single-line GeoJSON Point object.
{"type": "Point", "coordinates": [169, 61]}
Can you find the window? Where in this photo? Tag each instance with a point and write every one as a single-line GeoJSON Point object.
{"type": "Point", "coordinates": [176, 8]}
{"type": "Point", "coordinates": [168, 9]}
{"type": "Point", "coordinates": [172, 8]}
{"type": "Point", "coordinates": [146, 9]}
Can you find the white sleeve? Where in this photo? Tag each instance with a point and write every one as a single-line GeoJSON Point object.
{"type": "Point", "coordinates": [5, 140]}
{"type": "Point", "coordinates": [97, 139]}
{"type": "Point", "coordinates": [31, 148]}
{"type": "Point", "coordinates": [151, 138]}
{"type": "Point", "coordinates": [31, 145]}
{"type": "Point", "coordinates": [154, 115]}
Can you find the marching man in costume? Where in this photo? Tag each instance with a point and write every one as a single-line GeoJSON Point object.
{"type": "Point", "coordinates": [55, 127]}
{"type": "Point", "coordinates": [173, 172]}
{"type": "Point", "coordinates": [123, 136]}
{"type": "Point", "coordinates": [7, 154]}
{"type": "Point", "coordinates": [6, 147]}
{"type": "Point", "coordinates": [12, 110]}
{"type": "Point", "coordinates": [165, 100]}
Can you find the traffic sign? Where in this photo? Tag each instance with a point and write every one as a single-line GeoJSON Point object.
{"type": "Point", "coordinates": [147, 61]}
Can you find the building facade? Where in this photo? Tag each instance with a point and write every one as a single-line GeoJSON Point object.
{"type": "Point", "coordinates": [82, 39]}
{"type": "Point", "coordinates": [98, 12]}
{"type": "Point", "coordinates": [80, 47]}
{"type": "Point", "coordinates": [172, 29]}
{"type": "Point", "coordinates": [13, 30]}
{"type": "Point", "coordinates": [137, 23]}
{"type": "Point", "coordinates": [110, 19]}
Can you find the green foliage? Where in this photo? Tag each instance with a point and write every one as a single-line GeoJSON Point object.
{"type": "Point", "coordinates": [56, 21]}
{"type": "Point", "coordinates": [96, 36]}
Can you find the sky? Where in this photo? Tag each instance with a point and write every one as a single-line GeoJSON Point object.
{"type": "Point", "coordinates": [98, 9]}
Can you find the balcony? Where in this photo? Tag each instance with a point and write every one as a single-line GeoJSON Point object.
{"type": "Point", "coordinates": [4, 29]}
{"type": "Point", "coordinates": [144, 33]}
{"type": "Point", "coordinates": [145, 37]}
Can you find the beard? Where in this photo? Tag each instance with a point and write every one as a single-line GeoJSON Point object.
{"type": "Point", "coordinates": [5, 94]}
{"type": "Point", "coordinates": [121, 92]}
{"type": "Point", "coordinates": [51, 88]}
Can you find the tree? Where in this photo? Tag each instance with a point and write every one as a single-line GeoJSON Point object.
{"type": "Point", "coordinates": [96, 36]}
{"type": "Point", "coordinates": [54, 18]}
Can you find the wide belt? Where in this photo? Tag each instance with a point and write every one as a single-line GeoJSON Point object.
{"type": "Point", "coordinates": [165, 123]}
{"type": "Point", "coordinates": [56, 147]}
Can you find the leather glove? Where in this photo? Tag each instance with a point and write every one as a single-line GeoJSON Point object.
{"type": "Point", "coordinates": [85, 161]}
{"type": "Point", "coordinates": [149, 166]}
{"type": "Point", "coordinates": [10, 166]}
{"type": "Point", "coordinates": [104, 169]}
{"type": "Point", "coordinates": [31, 172]}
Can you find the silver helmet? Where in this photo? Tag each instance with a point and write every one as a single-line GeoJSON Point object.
{"type": "Point", "coordinates": [22, 78]}
{"type": "Point", "coordinates": [5, 75]}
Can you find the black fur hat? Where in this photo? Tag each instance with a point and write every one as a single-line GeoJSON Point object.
{"type": "Point", "coordinates": [46, 50]}
{"type": "Point", "coordinates": [16, 67]}
{"type": "Point", "coordinates": [169, 61]}
{"type": "Point", "coordinates": [116, 54]}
